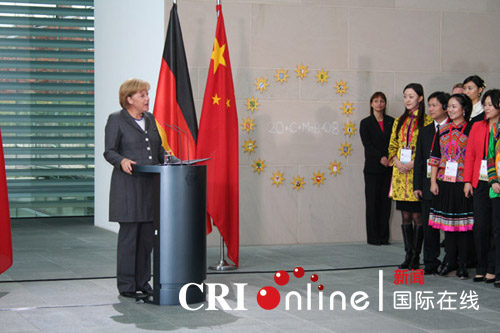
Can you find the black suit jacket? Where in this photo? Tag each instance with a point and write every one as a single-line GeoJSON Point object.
{"type": "Point", "coordinates": [424, 145]}
{"type": "Point", "coordinates": [376, 143]}
{"type": "Point", "coordinates": [130, 198]}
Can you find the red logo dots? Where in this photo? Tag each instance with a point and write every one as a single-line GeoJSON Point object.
{"type": "Point", "coordinates": [298, 272]}
{"type": "Point", "coordinates": [320, 287]}
{"type": "Point", "coordinates": [268, 298]}
{"type": "Point", "coordinates": [281, 278]}
{"type": "Point", "coordinates": [314, 278]}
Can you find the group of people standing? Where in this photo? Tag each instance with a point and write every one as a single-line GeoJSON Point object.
{"type": "Point", "coordinates": [442, 170]}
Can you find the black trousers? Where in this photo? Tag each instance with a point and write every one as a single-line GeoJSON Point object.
{"type": "Point", "coordinates": [456, 246]}
{"type": "Point", "coordinates": [495, 202]}
{"type": "Point", "coordinates": [378, 207]}
{"type": "Point", "coordinates": [431, 238]}
{"type": "Point", "coordinates": [135, 244]}
{"type": "Point", "coordinates": [483, 235]}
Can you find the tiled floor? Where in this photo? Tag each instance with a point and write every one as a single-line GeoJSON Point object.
{"type": "Point", "coordinates": [62, 280]}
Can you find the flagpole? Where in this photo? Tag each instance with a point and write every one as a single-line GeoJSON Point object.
{"type": "Point", "coordinates": [222, 265]}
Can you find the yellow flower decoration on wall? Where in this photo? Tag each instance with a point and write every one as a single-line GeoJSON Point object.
{"type": "Point", "coordinates": [301, 71]}
{"type": "Point", "coordinates": [341, 87]}
{"type": "Point", "coordinates": [349, 128]}
{"type": "Point", "coordinates": [298, 183]}
{"type": "Point", "coordinates": [249, 146]}
{"type": "Point", "coordinates": [347, 108]}
{"type": "Point", "coordinates": [252, 104]}
{"type": "Point", "coordinates": [248, 124]}
{"type": "Point", "coordinates": [281, 75]}
{"type": "Point", "coordinates": [335, 168]}
{"type": "Point", "coordinates": [258, 165]}
{"type": "Point", "coordinates": [261, 84]}
{"type": "Point", "coordinates": [319, 178]}
{"type": "Point", "coordinates": [345, 149]}
{"type": "Point", "coordinates": [322, 76]}
{"type": "Point", "coordinates": [278, 178]}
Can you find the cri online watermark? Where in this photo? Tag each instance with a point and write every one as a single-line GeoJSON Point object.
{"type": "Point", "coordinates": [269, 297]}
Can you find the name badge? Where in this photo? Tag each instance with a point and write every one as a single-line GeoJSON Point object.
{"type": "Point", "coordinates": [450, 173]}
{"type": "Point", "coordinates": [498, 169]}
{"type": "Point", "coordinates": [483, 172]}
{"type": "Point", "coordinates": [429, 169]}
{"type": "Point", "coordinates": [405, 155]}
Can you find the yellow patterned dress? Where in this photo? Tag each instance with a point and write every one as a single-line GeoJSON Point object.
{"type": "Point", "coordinates": [402, 184]}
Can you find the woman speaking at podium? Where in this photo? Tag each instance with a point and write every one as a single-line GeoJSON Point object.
{"type": "Point", "coordinates": [131, 137]}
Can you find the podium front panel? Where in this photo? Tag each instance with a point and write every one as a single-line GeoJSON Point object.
{"type": "Point", "coordinates": [180, 231]}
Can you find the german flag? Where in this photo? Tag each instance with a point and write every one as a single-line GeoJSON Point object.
{"type": "Point", "coordinates": [174, 106]}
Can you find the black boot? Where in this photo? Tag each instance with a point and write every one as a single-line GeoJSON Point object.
{"type": "Point", "coordinates": [407, 230]}
{"type": "Point", "coordinates": [418, 238]}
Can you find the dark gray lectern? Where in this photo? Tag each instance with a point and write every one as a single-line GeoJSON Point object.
{"type": "Point", "coordinates": [180, 231]}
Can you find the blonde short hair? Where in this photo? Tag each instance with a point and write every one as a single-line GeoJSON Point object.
{"type": "Point", "coordinates": [130, 87]}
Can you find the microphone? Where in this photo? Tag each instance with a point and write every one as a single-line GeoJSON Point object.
{"type": "Point", "coordinates": [178, 134]}
{"type": "Point", "coordinates": [187, 140]}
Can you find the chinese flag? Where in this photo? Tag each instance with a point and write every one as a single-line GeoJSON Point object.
{"type": "Point", "coordinates": [218, 140]}
{"type": "Point", "coordinates": [174, 97]}
{"type": "Point", "coordinates": [5, 235]}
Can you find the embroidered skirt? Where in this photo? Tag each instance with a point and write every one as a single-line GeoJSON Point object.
{"type": "Point", "coordinates": [451, 210]}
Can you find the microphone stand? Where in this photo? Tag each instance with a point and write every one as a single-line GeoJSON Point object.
{"type": "Point", "coordinates": [180, 138]}
{"type": "Point", "coordinates": [187, 140]}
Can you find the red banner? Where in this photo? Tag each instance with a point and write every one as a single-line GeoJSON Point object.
{"type": "Point", "coordinates": [218, 140]}
{"type": "Point", "coordinates": [5, 232]}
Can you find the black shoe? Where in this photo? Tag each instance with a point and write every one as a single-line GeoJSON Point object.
{"type": "Point", "coordinates": [446, 269]}
{"type": "Point", "coordinates": [147, 292]}
{"type": "Point", "coordinates": [489, 280]}
{"type": "Point", "coordinates": [479, 278]}
{"type": "Point", "coordinates": [130, 294]}
{"type": "Point", "coordinates": [430, 270]}
{"type": "Point", "coordinates": [462, 272]}
{"type": "Point", "coordinates": [497, 284]}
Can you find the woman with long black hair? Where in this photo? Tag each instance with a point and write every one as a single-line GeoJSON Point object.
{"type": "Point", "coordinates": [402, 148]}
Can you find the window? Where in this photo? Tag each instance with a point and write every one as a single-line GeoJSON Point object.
{"type": "Point", "coordinates": [47, 106]}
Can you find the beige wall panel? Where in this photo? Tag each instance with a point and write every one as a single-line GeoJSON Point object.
{"type": "Point", "coordinates": [268, 214]}
{"type": "Point", "coordinates": [388, 39]}
{"type": "Point", "coordinates": [199, 37]}
{"type": "Point", "coordinates": [284, 36]}
{"type": "Point", "coordinates": [289, 133]}
{"type": "Point", "coordinates": [492, 6]}
{"type": "Point", "coordinates": [447, 5]}
{"type": "Point", "coordinates": [430, 81]}
{"type": "Point", "coordinates": [332, 212]}
{"type": "Point", "coordinates": [395, 109]}
{"type": "Point", "coordinates": [470, 42]}
{"type": "Point", "coordinates": [351, 3]}
{"type": "Point", "coordinates": [361, 85]}
{"type": "Point", "coordinates": [244, 80]}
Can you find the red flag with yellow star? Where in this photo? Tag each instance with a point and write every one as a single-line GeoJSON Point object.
{"type": "Point", "coordinates": [5, 233]}
{"type": "Point", "coordinates": [218, 140]}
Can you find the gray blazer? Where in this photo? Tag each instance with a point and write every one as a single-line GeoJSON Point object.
{"type": "Point", "coordinates": [130, 196]}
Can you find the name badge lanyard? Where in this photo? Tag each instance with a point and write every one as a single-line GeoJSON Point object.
{"type": "Point", "coordinates": [435, 134]}
{"type": "Point", "coordinates": [409, 134]}
{"type": "Point", "coordinates": [452, 142]}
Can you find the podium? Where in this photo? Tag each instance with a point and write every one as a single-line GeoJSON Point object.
{"type": "Point", "coordinates": [180, 231]}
